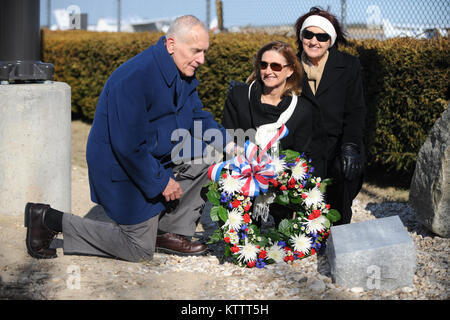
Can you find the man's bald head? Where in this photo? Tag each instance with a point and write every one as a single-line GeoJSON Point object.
{"type": "Point", "coordinates": [187, 41]}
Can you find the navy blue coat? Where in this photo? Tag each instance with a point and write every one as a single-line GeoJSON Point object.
{"type": "Point", "coordinates": [129, 145]}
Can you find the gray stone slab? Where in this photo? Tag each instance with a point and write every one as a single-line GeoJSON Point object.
{"type": "Point", "coordinates": [374, 254]}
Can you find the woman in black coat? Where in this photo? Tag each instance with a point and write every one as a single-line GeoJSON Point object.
{"type": "Point", "coordinates": [332, 79]}
{"type": "Point", "coordinates": [271, 91]}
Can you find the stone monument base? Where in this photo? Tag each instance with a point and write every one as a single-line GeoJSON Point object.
{"type": "Point", "coordinates": [35, 144]}
{"type": "Point", "coordinates": [374, 254]}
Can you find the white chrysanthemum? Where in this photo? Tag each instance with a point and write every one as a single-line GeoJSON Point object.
{"type": "Point", "coordinates": [231, 185]}
{"type": "Point", "coordinates": [276, 253]}
{"type": "Point", "coordinates": [234, 221]}
{"type": "Point", "coordinates": [279, 165]}
{"type": "Point", "coordinates": [315, 225]}
{"type": "Point", "coordinates": [301, 243]}
{"type": "Point", "coordinates": [314, 197]}
{"type": "Point", "coordinates": [247, 252]}
{"type": "Point", "coordinates": [299, 171]}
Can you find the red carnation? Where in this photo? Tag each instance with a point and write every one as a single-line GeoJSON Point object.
{"type": "Point", "coordinates": [247, 207]}
{"type": "Point", "coordinates": [283, 188]}
{"type": "Point", "coordinates": [328, 206]}
{"type": "Point", "coordinates": [236, 203]}
{"type": "Point", "coordinates": [291, 183]}
{"type": "Point", "coordinates": [313, 251]}
{"type": "Point", "coordinates": [315, 214]}
{"type": "Point", "coordinates": [246, 218]}
{"type": "Point", "coordinates": [226, 239]}
{"type": "Point", "coordinates": [274, 182]}
{"type": "Point", "coordinates": [251, 264]}
{"type": "Point", "coordinates": [262, 254]}
{"type": "Point", "coordinates": [304, 196]}
{"type": "Point", "coordinates": [234, 249]}
{"type": "Point", "coordinates": [224, 176]}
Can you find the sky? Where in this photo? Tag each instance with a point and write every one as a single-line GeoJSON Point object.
{"type": "Point", "coordinates": [262, 12]}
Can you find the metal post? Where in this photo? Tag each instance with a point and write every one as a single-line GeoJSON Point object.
{"type": "Point", "coordinates": [118, 15]}
{"type": "Point", "coordinates": [208, 13]}
{"type": "Point", "coordinates": [219, 11]}
{"type": "Point", "coordinates": [344, 15]}
{"type": "Point", "coordinates": [49, 13]}
{"type": "Point", "coordinates": [20, 43]}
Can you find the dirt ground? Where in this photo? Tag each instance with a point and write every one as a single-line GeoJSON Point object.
{"type": "Point", "coordinates": [78, 277]}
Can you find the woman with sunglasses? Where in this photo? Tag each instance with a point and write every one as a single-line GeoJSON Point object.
{"type": "Point", "coordinates": [332, 78]}
{"type": "Point", "coordinates": [271, 97]}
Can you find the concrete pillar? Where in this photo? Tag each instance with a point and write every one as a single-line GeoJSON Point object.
{"type": "Point", "coordinates": [35, 146]}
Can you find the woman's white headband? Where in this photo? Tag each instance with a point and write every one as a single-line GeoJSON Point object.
{"type": "Point", "coordinates": [321, 22]}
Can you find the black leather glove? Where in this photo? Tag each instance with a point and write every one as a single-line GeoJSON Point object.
{"type": "Point", "coordinates": [351, 160]}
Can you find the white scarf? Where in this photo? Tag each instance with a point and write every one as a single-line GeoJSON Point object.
{"type": "Point", "coordinates": [263, 134]}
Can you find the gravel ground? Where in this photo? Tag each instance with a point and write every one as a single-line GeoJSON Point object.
{"type": "Point", "coordinates": [208, 277]}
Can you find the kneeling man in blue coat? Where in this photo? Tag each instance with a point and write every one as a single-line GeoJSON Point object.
{"type": "Point", "coordinates": [153, 201]}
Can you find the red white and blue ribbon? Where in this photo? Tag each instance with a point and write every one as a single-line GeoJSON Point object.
{"type": "Point", "coordinates": [255, 169]}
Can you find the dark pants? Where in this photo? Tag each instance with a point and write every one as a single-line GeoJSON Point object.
{"type": "Point", "coordinates": [341, 192]}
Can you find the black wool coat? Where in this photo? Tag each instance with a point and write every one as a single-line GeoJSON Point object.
{"type": "Point", "coordinates": [340, 98]}
{"type": "Point", "coordinates": [306, 132]}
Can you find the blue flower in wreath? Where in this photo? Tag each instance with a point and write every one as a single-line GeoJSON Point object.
{"type": "Point", "coordinates": [282, 244]}
{"type": "Point", "coordinates": [260, 263]}
{"type": "Point", "coordinates": [225, 197]}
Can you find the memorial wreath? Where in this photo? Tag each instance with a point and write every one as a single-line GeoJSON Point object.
{"type": "Point", "coordinates": [241, 190]}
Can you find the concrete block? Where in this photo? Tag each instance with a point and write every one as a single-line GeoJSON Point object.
{"type": "Point", "coordinates": [35, 146]}
{"type": "Point", "coordinates": [374, 254]}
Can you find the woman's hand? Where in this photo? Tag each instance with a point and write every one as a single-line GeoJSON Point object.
{"type": "Point", "coordinates": [351, 160]}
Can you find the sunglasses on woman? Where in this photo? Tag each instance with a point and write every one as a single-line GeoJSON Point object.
{"type": "Point", "coordinates": [273, 65]}
{"type": "Point", "coordinates": [321, 37]}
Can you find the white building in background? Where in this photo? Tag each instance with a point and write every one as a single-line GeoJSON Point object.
{"type": "Point", "coordinates": [418, 31]}
{"type": "Point", "coordinates": [65, 21]}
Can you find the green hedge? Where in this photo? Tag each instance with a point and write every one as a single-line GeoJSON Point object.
{"type": "Point", "coordinates": [406, 81]}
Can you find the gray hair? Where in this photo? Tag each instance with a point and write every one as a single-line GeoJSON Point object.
{"type": "Point", "coordinates": [182, 25]}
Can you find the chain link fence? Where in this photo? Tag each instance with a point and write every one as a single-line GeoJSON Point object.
{"type": "Point", "coordinates": [379, 19]}
{"type": "Point", "coordinates": [360, 19]}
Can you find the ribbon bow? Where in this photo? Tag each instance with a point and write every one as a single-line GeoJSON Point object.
{"type": "Point", "coordinates": [255, 170]}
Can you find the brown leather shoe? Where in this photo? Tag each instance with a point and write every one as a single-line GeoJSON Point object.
{"type": "Point", "coordinates": [172, 243]}
{"type": "Point", "coordinates": [39, 236]}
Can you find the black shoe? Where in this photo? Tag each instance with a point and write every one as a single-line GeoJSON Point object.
{"type": "Point", "coordinates": [39, 236]}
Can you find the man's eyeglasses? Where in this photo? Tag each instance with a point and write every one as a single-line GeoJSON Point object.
{"type": "Point", "coordinates": [321, 37]}
{"type": "Point", "coordinates": [273, 65]}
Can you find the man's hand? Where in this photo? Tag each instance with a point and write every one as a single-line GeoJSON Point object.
{"type": "Point", "coordinates": [234, 149]}
{"type": "Point", "coordinates": [172, 191]}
